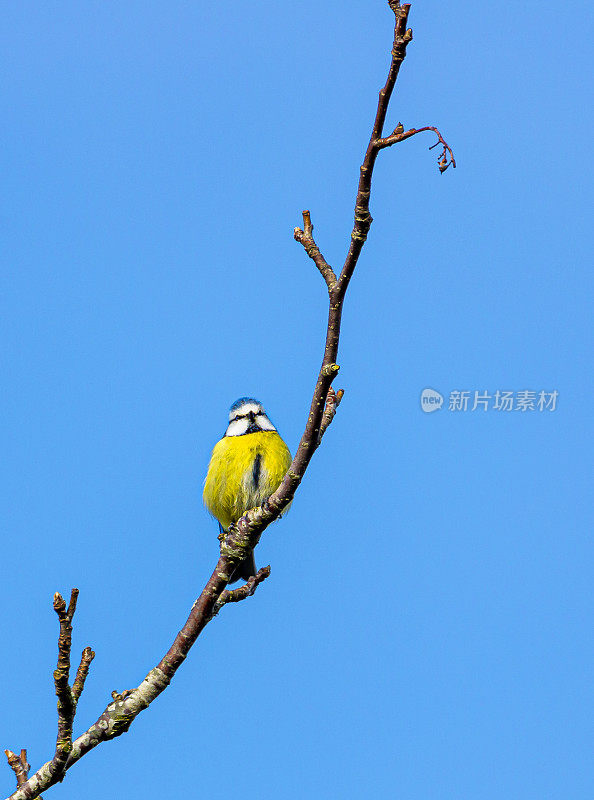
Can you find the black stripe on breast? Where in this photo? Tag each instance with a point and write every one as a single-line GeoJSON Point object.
{"type": "Point", "coordinates": [256, 469]}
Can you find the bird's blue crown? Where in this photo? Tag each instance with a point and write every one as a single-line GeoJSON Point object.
{"type": "Point", "coordinates": [243, 400]}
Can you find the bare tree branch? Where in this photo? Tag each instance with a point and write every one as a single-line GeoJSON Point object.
{"type": "Point", "coordinates": [305, 237]}
{"type": "Point", "coordinates": [245, 591]}
{"type": "Point", "coordinates": [66, 702]}
{"type": "Point", "coordinates": [399, 135]}
{"type": "Point", "coordinates": [81, 673]}
{"type": "Point", "coordinates": [244, 535]}
{"type": "Point", "coordinates": [19, 765]}
{"type": "Point", "coordinates": [68, 697]}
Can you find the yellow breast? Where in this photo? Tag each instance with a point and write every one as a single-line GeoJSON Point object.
{"type": "Point", "coordinates": [243, 472]}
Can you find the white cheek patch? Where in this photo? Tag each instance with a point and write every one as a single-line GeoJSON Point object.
{"type": "Point", "coordinates": [264, 423]}
{"type": "Point", "coordinates": [237, 428]}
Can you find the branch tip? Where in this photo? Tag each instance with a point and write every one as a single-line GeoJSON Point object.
{"type": "Point", "coordinates": [446, 157]}
{"type": "Point", "coordinates": [19, 765]}
{"type": "Point", "coordinates": [59, 604]}
{"type": "Point", "coordinates": [86, 657]}
{"type": "Point", "coordinates": [72, 604]}
{"type": "Point", "coordinates": [305, 238]}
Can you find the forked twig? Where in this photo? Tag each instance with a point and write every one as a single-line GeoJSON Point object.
{"type": "Point", "coordinates": [305, 237]}
{"type": "Point", "coordinates": [68, 697]}
{"type": "Point", "coordinates": [19, 765]}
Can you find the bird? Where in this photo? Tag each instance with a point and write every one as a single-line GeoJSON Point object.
{"type": "Point", "coordinates": [246, 466]}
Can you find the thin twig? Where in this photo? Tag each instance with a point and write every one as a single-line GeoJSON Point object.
{"type": "Point", "coordinates": [19, 765]}
{"type": "Point", "coordinates": [66, 700]}
{"type": "Point", "coordinates": [363, 219]}
{"type": "Point", "coordinates": [243, 592]}
{"type": "Point", "coordinates": [81, 673]}
{"type": "Point", "coordinates": [305, 237]}
{"type": "Point", "coordinates": [446, 157]}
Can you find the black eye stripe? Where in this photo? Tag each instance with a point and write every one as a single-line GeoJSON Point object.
{"type": "Point", "coordinates": [244, 416]}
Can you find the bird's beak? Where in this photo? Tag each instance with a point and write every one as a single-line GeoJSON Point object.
{"type": "Point", "coordinates": [253, 426]}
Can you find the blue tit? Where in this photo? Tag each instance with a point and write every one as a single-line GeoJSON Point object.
{"type": "Point", "coordinates": [246, 467]}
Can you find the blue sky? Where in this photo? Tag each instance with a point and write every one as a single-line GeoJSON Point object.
{"type": "Point", "coordinates": [426, 630]}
